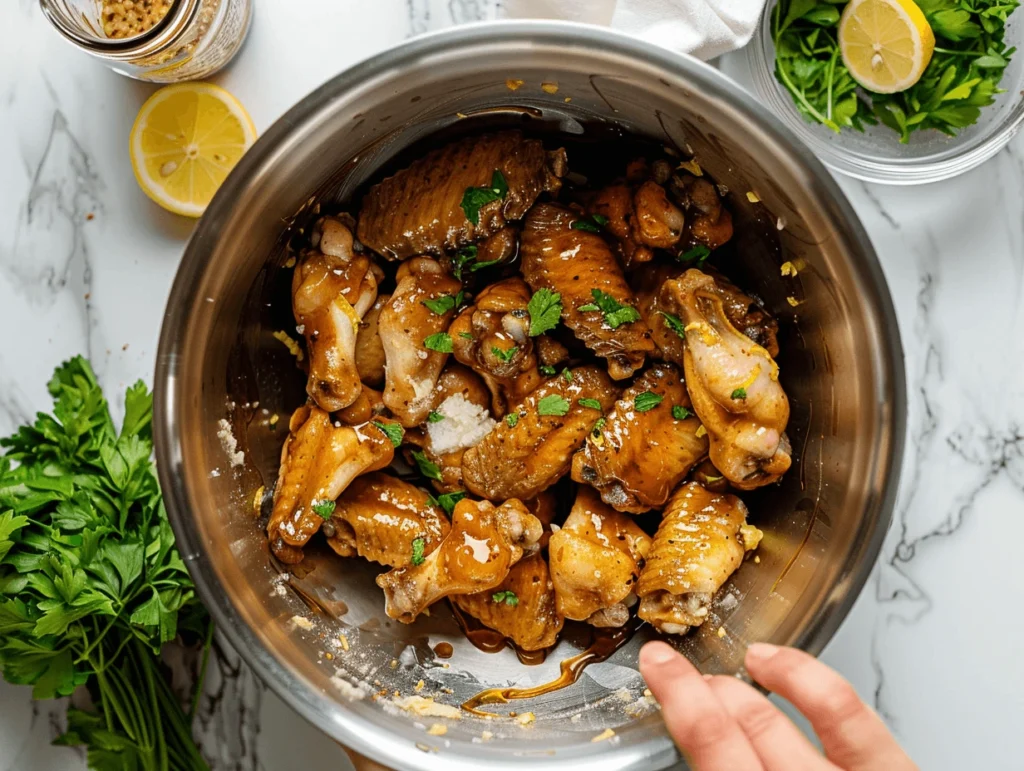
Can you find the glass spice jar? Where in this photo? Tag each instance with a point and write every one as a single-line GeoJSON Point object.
{"type": "Point", "coordinates": [161, 41]}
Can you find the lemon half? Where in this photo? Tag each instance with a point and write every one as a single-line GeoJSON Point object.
{"type": "Point", "coordinates": [185, 140]}
{"type": "Point", "coordinates": [886, 44]}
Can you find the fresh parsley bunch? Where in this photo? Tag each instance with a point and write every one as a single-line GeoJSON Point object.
{"type": "Point", "coordinates": [962, 77]}
{"type": "Point", "coordinates": [91, 585]}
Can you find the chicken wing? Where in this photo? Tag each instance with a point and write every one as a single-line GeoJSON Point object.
{"type": "Point", "coordinates": [475, 556]}
{"type": "Point", "coordinates": [595, 560]}
{"type": "Point", "coordinates": [646, 447]}
{"type": "Point", "coordinates": [331, 290]}
{"type": "Point", "coordinates": [522, 607]}
{"type": "Point", "coordinates": [580, 266]}
{"type": "Point", "coordinates": [318, 461]}
{"type": "Point", "coordinates": [710, 223]}
{"type": "Point", "coordinates": [420, 210]}
{"type": "Point", "coordinates": [699, 544]}
{"type": "Point", "coordinates": [381, 518]}
{"type": "Point", "coordinates": [521, 457]}
{"type": "Point", "coordinates": [369, 348]}
{"type": "Point", "coordinates": [640, 219]}
{"type": "Point", "coordinates": [734, 385]}
{"type": "Point", "coordinates": [492, 336]}
{"type": "Point", "coordinates": [406, 324]}
{"type": "Point", "coordinates": [367, 406]}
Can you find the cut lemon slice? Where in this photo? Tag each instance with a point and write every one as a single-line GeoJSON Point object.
{"type": "Point", "coordinates": [185, 140]}
{"type": "Point", "coordinates": [886, 44]}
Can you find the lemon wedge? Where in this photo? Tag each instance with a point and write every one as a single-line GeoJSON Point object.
{"type": "Point", "coordinates": [886, 44]}
{"type": "Point", "coordinates": [185, 140]}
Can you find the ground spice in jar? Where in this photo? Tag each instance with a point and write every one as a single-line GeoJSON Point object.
{"type": "Point", "coordinates": [128, 18]}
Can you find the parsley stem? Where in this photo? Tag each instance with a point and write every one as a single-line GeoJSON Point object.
{"type": "Point", "coordinates": [831, 78]}
{"type": "Point", "coordinates": [799, 95]}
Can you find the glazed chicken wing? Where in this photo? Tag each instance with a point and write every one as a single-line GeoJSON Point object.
{"type": "Point", "coordinates": [699, 544]}
{"type": "Point", "coordinates": [641, 219]}
{"type": "Point", "coordinates": [492, 336]}
{"type": "Point", "coordinates": [369, 348]}
{"type": "Point", "coordinates": [642, 452]}
{"type": "Point", "coordinates": [318, 461]}
{"type": "Point", "coordinates": [420, 210]}
{"type": "Point", "coordinates": [595, 561]}
{"type": "Point", "coordinates": [710, 223]}
{"type": "Point", "coordinates": [522, 456]}
{"type": "Point", "coordinates": [483, 544]}
{"type": "Point", "coordinates": [734, 385]}
{"type": "Point", "coordinates": [522, 607]}
{"type": "Point", "coordinates": [381, 518]}
{"type": "Point", "coordinates": [406, 324]}
{"type": "Point", "coordinates": [331, 291]}
{"type": "Point", "coordinates": [580, 266]}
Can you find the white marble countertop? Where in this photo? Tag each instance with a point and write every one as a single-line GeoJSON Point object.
{"type": "Point", "coordinates": [929, 643]}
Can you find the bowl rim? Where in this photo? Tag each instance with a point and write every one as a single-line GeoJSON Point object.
{"type": "Point", "coordinates": [346, 726]}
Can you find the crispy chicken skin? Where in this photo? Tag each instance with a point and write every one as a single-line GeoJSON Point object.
{"type": "Point", "coordinates": [484, 334]}
{"type": "Point", "coordinates": [379, 516]}
{"type": "Point", "coordinates": [318, 461]}
{"type": "Point", "coordinates": [412, 370]}
{"type": "Point", "coordinates": [734, 385]}
{"type": "Point", "coordinates": [595, 560]}
{"type": "Point", "coordinates": [641, 219]}
{"type": "Point", "coordinates": [522, 460]}
{"type": "Point", "coordinates": [637, 458]}
{"type": "Point", "coordinates": [332, 288]}
{"type": "Point", "coordinates": [369, 348]}
{"type": "Point", "coordinates": [483, 544]}
{"type": "Point", "coordinates": [419, 209]}
{"type": "Point", "coordinates": [573, 263]}
{"type": "Point", "coordinates": [533, 622]}
{"type": "Point", "coordinates": [700, 543]}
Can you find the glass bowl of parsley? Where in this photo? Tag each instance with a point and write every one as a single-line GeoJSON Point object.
{"type": "Point", "coordinates": [966, 106]}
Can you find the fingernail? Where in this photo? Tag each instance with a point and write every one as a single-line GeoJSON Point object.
{"type": "Point", "coordinates": [708, 677]}
{"type": "Point", "coordinates": [762, 651]}
{"type": "Point", "coordinates": [657, 653]}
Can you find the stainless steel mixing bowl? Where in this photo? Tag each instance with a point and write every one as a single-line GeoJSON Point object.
{"type": "Point", "coordinates": [841, 364]}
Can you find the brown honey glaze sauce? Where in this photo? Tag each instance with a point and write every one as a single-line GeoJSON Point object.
{"type": "Point", "coordinates": [605, 642]}
{"type": "Point", "coordinates": [491, 641]}
{"type": "Point", "coordinates": [444, 650]}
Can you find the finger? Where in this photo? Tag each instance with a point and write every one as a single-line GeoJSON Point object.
{"type": "Point", "coordinates": [700, 725]}
{"type": "Point", "coordinates": [780, 744]}
{"type": "Point", "coordinates": [853, 736]}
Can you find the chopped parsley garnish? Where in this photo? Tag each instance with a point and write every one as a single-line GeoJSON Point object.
{"type": "Point", "coordinates": [674, 323]}
{"type": "Point", "coordinates": [447, 501]}
{"type": "Point", "coordinates": [553, 404]}
{"type": "Point", "coordinates": [435, 417]}
{"type": "Point", "coordinates": [324, 508]}
{"type": "Point", "coordinates": [739, 393]}
{"type": "Point", "coordinates": [598, 425]}
{"type": "Point", "coordinates": [393, 431]}
{"type": "Point", "coordinates": [441, 305]}
{"type": "Point", "coordinates": [593, 404]}
{"type": "Point", "coordinates": [698, 255]}
{"type": "Point", "coordinates": [504, 355]}
{"type": "Point", "coordinates": [475, 198]}
{"type": "Point", "coordinates": [591, 224]}
{"type": "Point", "coordinates": [546, 370]}
{"type": "Point", "coordinates": [679, 412]}
{"type": "Point", "coordinates": [441, 342]}
{"type": "Point", "coordinates": [507, 597]}
{"type": "Point", "coordinates": [567, 374]}
{"type": "Point", "coordinates": [545, 308]}
{"type": "Point", "coordinates": [647, 401]}
{"type": "Point", "coordinates": [465, 259]}
{"type": "Point", "coordinates": [465, 335]}
{"type": "Point", "coordinates": [512, 419]}
{"type": "Point", "coordinates": [615, 313]}
{"type": "Point", "coordinates": [427, 467]}
{"type": "Point", "coordinates": [418, 546]}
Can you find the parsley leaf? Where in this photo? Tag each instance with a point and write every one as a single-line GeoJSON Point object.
{"type": "Point", "coordinates": [441, 342]}
{"type": "Point", "coordinates": [598, 425]}
{"type": "Point", "coordinates": [465, 259]}
{"type": "Point", "coordinates": [615, 313]}
{"type": "Point", "coordinates": [324, 508]}
{"type": "Point", "coordinates": [593, 404]}
{"type": "Point", "coordinates": [441, 305]}
{"type": "Point", "coordinates": [591, 224]}
{"type": "Point", "coordinates": [418, 547]}
{"type": "Point", "coordinates": [545, 369]}
{"type": "Point", "coordinates": [476, 198]}
{"type": "Point", "coordinates": [447, 501]}
{"type": "Point", "coordinates": [427, 467]}
{"type": "Point", "coordinates": [512, 419]}
{"type": "Point", "coordinates": [545, 309]}
{"type": "Point", "coordinates": [504, 355]}
{"type": "Point", "coordinates": [466, 335]}
{"type": "Point", "coordinates": [647, 401]}
{"type": "Point", "coordinates": [435, 417]}
{"type": "Point", "coordinates": [508, 597]}
{"type": "Point", "coordinates": [553, 404]}
{"type": "Point", "coordinates": [567, 374]}
{"type": "Point", "coordinates": [674, 323]}
{"type": "Point", "coordinates": [739, 393]}
{"type": "Point", "coordinates": [393, 431]}
{"type": "Point", "coordinates": [679, 412]}
{"type": "Point", "coordinates": [698, 255]}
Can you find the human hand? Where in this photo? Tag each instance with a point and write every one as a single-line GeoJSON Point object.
{"type": "Point", "coordinates": [723, 724]}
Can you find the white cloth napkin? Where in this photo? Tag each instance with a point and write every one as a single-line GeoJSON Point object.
{"type": "Point", "coordinates": [704, 28]}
